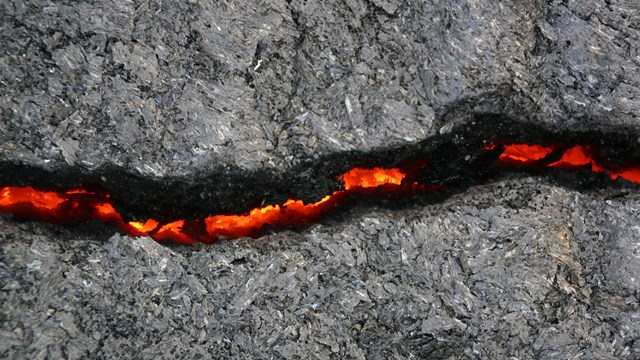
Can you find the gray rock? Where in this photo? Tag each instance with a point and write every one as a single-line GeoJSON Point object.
{"type": "Point", "coordinates": [518, 268]}
{"type": "Point", "coordinates": [521, 267]}
{"type": "Point", "coordinates": [167, 89]}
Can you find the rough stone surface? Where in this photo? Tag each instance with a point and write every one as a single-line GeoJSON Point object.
{"type": "Point", "coordinates": [163, 87]}
{"type": "Point", "coordinates": [521, 267]}
{"type": "Point", "coordinates": [516, 268]}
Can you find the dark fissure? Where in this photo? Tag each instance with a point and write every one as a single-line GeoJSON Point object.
{"type": "Point", "coordinates": [230, 203]}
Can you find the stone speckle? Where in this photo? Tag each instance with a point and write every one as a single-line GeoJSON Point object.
{"type": "Point", "coordinates": [203, 83]}
{"type": "Point", "coordinates": [549, 276]}
{"type": "Point", "coordinates": [518, 268]}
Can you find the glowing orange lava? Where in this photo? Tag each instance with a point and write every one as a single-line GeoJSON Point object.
{"type": "Point", "coordinates": [581, 156]}
{"type": "Point", "coordinates": [524, 153]}
{"type": "Point", "coordinates": [366, 178]}
{"type": "Point", "coordinates": [82, 205]}
{"type": "Point", "coordinates": [79, 204]}
{"type": "Point", "coordinates": [573, 158]}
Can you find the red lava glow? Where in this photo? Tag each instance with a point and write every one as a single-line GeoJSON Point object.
{"type": "Point", "coordinates": [573, 158]}
{"type": "Point", "coordinates": [581, 156]}
{"type": "Point", "coordinates": [79, 204]}
{"type": "Point", "coordinates": [366, 178]}
{"type": "Point", "coordinates": [524, 153]}
{"type": "Point", "coordinates": [82, 205]}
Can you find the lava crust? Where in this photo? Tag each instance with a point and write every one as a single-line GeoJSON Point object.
{"type": "Point", "coordinates": [227, 204]}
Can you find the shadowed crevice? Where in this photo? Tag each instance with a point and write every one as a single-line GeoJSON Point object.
{"type": "Point", "coordinates": [454, 160]}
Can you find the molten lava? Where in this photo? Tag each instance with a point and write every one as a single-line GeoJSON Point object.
{"type": "Point", "coordinates": [367, 178]}
{"type": "Point", "coordinates": [78, 204]}
{"type": "Point", "coordinates": [572, 159]}
{"type": "Point", "coordinates": [581, 156]}
{"type": "Point", "coordinates": [524, 154]}
{"type": "Point", "coordinates": [82, 205]}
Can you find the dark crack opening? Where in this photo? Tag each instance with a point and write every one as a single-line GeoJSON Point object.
{"type": "Point", "coordinates": [468, 154]}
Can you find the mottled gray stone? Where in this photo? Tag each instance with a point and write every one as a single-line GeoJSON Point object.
{"type": "Point", "coordinates": [165, 88]}
{"type": "Point", "coordinates": [518, 268]}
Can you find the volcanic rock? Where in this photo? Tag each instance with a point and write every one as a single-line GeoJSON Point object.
{"type": "Point", "coordinates": [170, 88]}
{"type": "Point", "coordinates": [524, 266]}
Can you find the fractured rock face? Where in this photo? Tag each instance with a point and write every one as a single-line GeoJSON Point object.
{"type": "Point", "coordinates": [169, 89]}
{"type": "Point", "coordinates": [521, 267]}
{"type": "Point", "coordinates": [516, 268]}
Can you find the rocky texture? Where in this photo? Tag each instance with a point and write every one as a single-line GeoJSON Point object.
{"type": "Point", "coordinates": [517, 268]}
{"type": "Point", "coordinates": [521, 267]}
{"type": "Point", "coordinates": [165, 88]}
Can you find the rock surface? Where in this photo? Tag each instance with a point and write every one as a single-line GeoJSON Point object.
{"type": "Point", "coordinates": [521, 267]}
{"type": "Point", "coordinates": [518, 268]}
{"type": "Point", "coordinates": [166, 88]}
